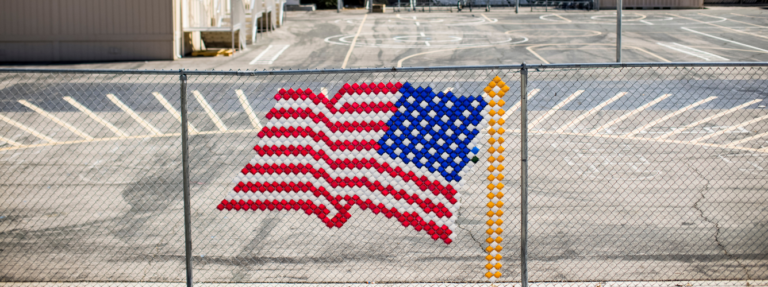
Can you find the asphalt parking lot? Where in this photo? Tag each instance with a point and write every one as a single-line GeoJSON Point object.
{"type": "Point", "coordinates": [321, 39]}
{"type": "Point", "coordinates": [635, 174]}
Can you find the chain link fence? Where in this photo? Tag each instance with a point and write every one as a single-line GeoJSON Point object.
{"type": "Point", "coordinates": [633, 174]}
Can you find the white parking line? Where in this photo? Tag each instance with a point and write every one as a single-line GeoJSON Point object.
{"type": "Point", "coordinates": [706, 56]}
{"type": "Point", "coordinates": [591, 112]}
{"type": "Point", "coordinates": [668, 116]}
{"type": "Point", "coordinates": [10, 141]}
{"type": "Point", "coordinates": [27, 129]}
{"type": "Point", "coordinates": [561, 17]}
{"type": "Point", "coordinates": [749, 163]}
{"type": "Point", "coordinates": [211, 113]}
{"type": "Point", "coordinates": [729, 129]}
{"type": "Point", "coordinates": [160, 98]}
{"type": "Point", "coordinates": [55, 120]}
{"type": "Point", "coordinates": [625, 116]}
{"type": "Point", "coordinates": [723, 39]}
{"type": "Point", "coordinates": [555, 108]}
{"type": "Point", "coordinates": [731, 19]}
{"type": "Point", "coordinates": [517, 105]}
{"type": "Point", "coordinates": [260, 55]}
{"type": "Point", "coordinates": [530, 49]}
{"type": "Point", "coordinates": [271, 60]}
{"type": "Point", "coordinates": [248, 110]}
{"type": "Point", "coordinates": [133, 115]}
{"type": "Point", "coordinates": [95, 117]}
{"type": "Point", "coordinates": [646, 22]}
{"type": "Point", "coordinates": [744, 140]}
{"type": "Point", "coordinates": [731, 110]}
{"type": "Point", "coordinates": [546, 17]}
{"type": "Point", "coordinates": [354, 42]}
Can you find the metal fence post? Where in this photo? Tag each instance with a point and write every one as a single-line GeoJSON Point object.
{"type": "Point", "coordinates": [524, 176]}
{"type": "Point", "coordinates": [618, 30]}
{"type": "Point", "coordinates": [185, 168]}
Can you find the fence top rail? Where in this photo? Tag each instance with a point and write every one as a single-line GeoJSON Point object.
{"type": "Point", "coordinates": [387, 70]}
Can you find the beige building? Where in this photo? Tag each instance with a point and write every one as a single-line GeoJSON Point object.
{"type": "Point", "coordinates": [652, 4]}
{"type": "Point", "coordinates": [124, 30]}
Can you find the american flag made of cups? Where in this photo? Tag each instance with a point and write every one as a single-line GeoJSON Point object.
{"type": "Point", "coordinates": [392, 149]}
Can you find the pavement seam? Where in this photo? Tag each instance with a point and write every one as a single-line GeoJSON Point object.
{"type": "Point", "coordinates": [479, 244]}
{"type": "Point", "coordinates": [254, 247]}
{"type": "Point", "coordinates": [717, 225]}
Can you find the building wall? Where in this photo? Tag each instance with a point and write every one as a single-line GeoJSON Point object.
{"type": "Point", "coordinates": [651, 4]}
{"type": "Point", "coordinates": [87, 30]}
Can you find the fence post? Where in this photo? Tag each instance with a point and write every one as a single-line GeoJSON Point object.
{"type": "Point", "coordinates": [524, 176]}
{"type": "Point", "coordinates": [619, 7]}
{"type": "Point", "coordinates": [185, 172]}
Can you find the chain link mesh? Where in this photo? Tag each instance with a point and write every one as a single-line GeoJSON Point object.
{"type": "Point", "coordinates": [635, 175]}
{"type": "Point", "coordinates": [289, 246]}
{"type": "Point", "coordinates": [647, 174]}
{"type": "Point", "coordinates": [91, 179]}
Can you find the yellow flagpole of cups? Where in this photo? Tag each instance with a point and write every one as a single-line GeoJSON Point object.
{"type": "Point", "coordinates": [495, 91]}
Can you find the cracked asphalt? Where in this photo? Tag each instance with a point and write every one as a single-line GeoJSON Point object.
{"type": "Point", "coordinates": [636, 212]}
{"type": "Point", "coordinates": [601, 208]}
